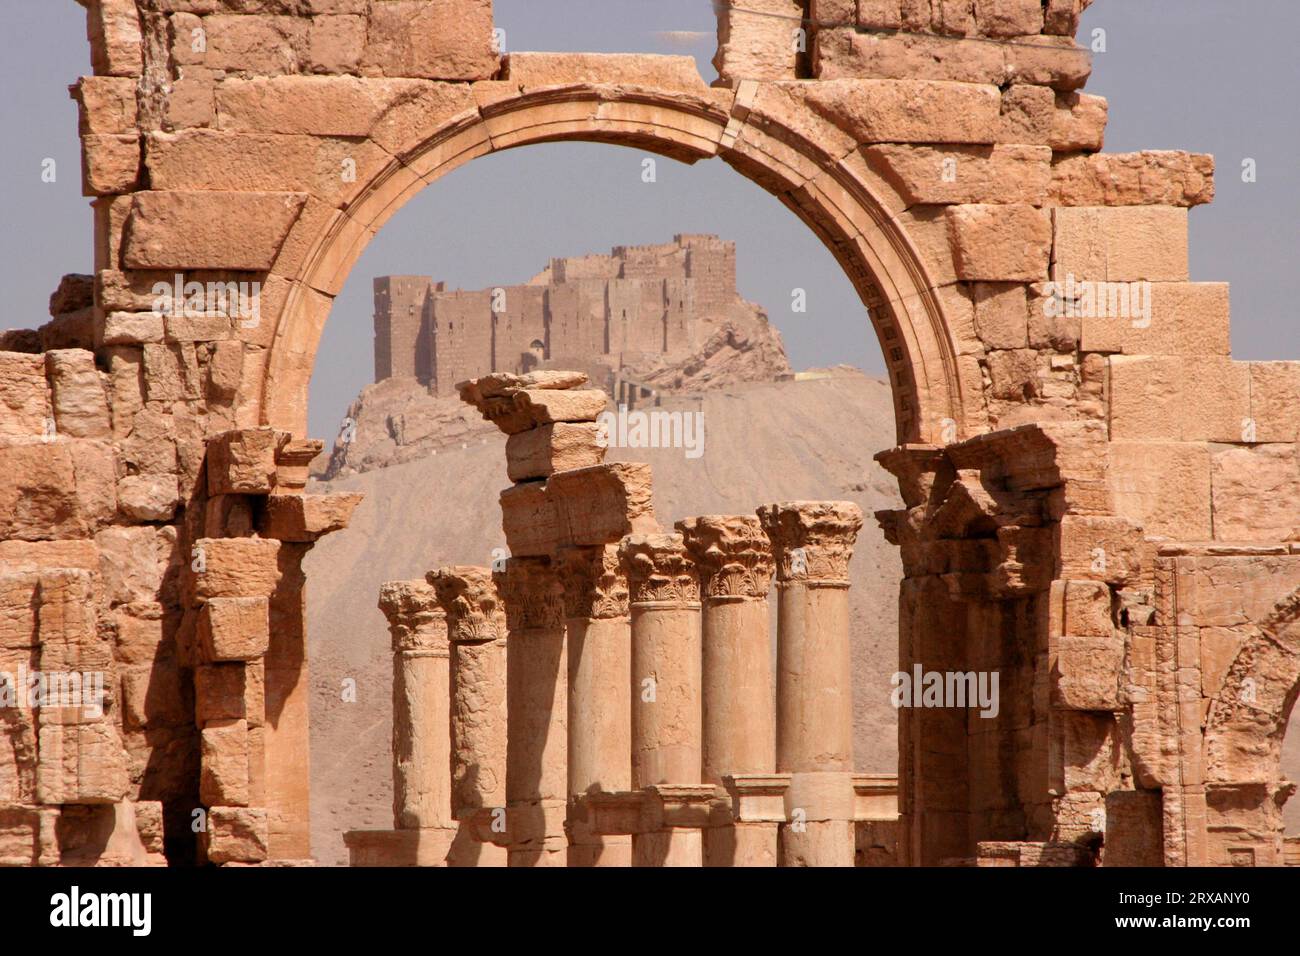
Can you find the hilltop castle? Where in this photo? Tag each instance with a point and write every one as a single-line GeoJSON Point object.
{"type": "Point", "coordinates": [638, 305]}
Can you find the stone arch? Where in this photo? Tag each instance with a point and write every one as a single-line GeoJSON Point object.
{"type": "Point", "coordinates": [809, 165]}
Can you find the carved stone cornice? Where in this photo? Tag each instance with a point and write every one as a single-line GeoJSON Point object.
{"type": "Point", "coordinates": [595, 583]}
{"type": "Point", "coordinates": [415, 619]}
{"type": "Point", "coordinates": [660, 571]}
{"type": "Point", "coordinates": [468, 595]}
{"type": "Point", "coordinates": [812, 541]}
{"type": "Point", "coordinates": [534, 598]}
{"type": "Point", "coordinates": [732, 554]}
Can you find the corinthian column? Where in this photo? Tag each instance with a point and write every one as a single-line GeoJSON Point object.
{"type": "Point", "coordinates": [666, 710]}
{"type": "Point", "coordinates": [476, 632]}
{"type": "Point", "coordinates": [734, 559]}
{"type": "Point", "coordinates": [421, 705]}
{"type": "Point", "coordinates": [600, 710]}
{"type": "Point", "coordinates": [537, 736]}
{"type": "Point", "coordinates": [813, 543]}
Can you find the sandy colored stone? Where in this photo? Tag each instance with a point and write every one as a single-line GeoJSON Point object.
{"type": "Point", "coordinates": [243, 461]}
{"type": "Point", "coordinates": [1122, 244]}
{"type": "Point", "coordinates": [110, 163]}
{"type": "Point", "coordinates": [237, 835]}
{"type": "Point", "coordinates": [257, 44]}
{"type": "Point", "coordinates": [55, 487]}
{"type": "Point", "coordinates": [1274, 398]}
{"type": "Point", "coordinates": [80, 405]}
{"type": "Point", "coordinates": [210, 229]}
{"type": "Point", "coordinates": [1255, 490]}
{"type": "Point", "coordinates": [303, 518]}
{"type": "Point", "coordinates": [1164, 486]}
{"type": "Point", "coordinates": [1008, 18]}
{"type": "Point", "coordinates": [24, 396]}
{"type": "Point", "coordinates": [542, 451]}
{"type": "Point", "coordinates": [1010, 174]}
{"type": "Point", "coordinates": [224, 777]}
{"type": "Point", "coordinates": [908, 110]}
{"type": "Point", "coordinates": [233, 628]}
{"type": "Point", "coordinates": [108, 104]}
{"type": "Point", "coordinates": [758, 43]}
{"type": "Point", "coordinates": [1000, 242]}
{"type": "Point", "coordinates": [113, 27]}
{"type": "Point", "coordinates": [445, 40]}
{"type": "Point", "coordinates": [148, 497]}
{"type": "Point", "coordinates": [235, 567]}
{"type": "Point", "coordinates": [335, 44]}
{"type": "Point", "coordinates": [1152, 178]}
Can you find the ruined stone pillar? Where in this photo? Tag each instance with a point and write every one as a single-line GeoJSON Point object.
{"type": "Point", "coordinates": [666, 709]}
{"type": "Point", "coordinates": [600, 709]}
{"type": "Point", "coordinates": [813, 543]}
{"type": "Point", "coordinates": [537, 744]}
{"type": "Point", "coordinates": [421, 705]}
{"type": "Point", "coordinates": [734, 559]}
{"type": "Point", "coordinates": [476, 632]}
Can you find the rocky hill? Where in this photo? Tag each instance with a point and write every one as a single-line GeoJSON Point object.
{"type": "Point", "coordinates": [807, 438]}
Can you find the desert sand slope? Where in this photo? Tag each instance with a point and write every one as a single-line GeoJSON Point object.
{"type": "Point", "coordinates": [764, 442]}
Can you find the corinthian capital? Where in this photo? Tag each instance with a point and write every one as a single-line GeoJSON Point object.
{"type": "Point", "coordinates": [469, 597]}
{"type": "Point", "coordinates": [732, 554]}
{"type": "Point", "coordinates": [595, 583]}
{"type": "Point", "coordinates": [415, 619]}
{"type": "Point", "coordinates": [812, 540]}
{"type": "Point", "coordinates": [532, 593]}
{"type": "Point", "coordinates": [660, 571]}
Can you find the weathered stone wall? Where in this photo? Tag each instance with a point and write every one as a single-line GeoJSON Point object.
{"type": "Point", "coordinates": [1055, 454]}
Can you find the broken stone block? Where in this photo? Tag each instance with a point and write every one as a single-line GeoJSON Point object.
{"type": "Point", "coordinates": [451, 40]}
{"type": "Point", "coordinates": [80, 405]}
{"type": "Point", "coordinates": [234, 628]}
{"type": "Point", "coordinates": [242, 462]}
{"type": "Point", "coordinates": [965, 174]}
{"type": "Point", "coordinates": [110, 163]}
{"type": "Point", "coordinates": [542, 451]}
{"type": "Point", "coordinates": [57, 487]}
{"type": "Point", "coordinates": [234, 567]}
{"type": "Point", "coordinates": [219, 692]}
{"type": "Point", "coordinates": [237, 835]}
{"type": "Point", "coordinates": [24, 398]}
{"type": "Point", "coordinates": [1089, 673]}
{"type": "Point", "coordinates": [238, 231]}
{"type": "Point", "coordinates": [148, 497]}
{"type": "Point", "coordinates": [303, 518]}
{"type": "Point", "coordinates": [908, 110]}
{"type": "Point", "coordinates": [516, 403]}
{"type": "Point", "coordinates": [757, 43]}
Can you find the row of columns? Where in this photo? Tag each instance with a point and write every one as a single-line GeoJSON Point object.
{"type": "Point", "coordinates": [642, 722]}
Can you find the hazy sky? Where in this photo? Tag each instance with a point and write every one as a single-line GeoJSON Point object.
{"type": "Point", "coordinates": [1216, 76]}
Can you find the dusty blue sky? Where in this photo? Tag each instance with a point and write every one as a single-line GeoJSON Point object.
{"type": "Point", "coordinates": [1217, 76]}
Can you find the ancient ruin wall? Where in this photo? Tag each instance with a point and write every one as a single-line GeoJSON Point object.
{"type": "Point", "coordinates": [1064, 469]}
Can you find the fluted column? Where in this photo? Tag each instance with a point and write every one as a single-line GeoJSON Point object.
{"type": "Point", "coordinates": [813, 544]}
{"type": "Point", "coordinates": [476, 632]}
{"type": "Point", "coordinates": [666, 684]}
{"type": "Point", "coordinates": [421, 706]}
{"type": "Point", "coordinates": [537, 743]}
{"type": "Point", "coordinates": [734, 560]}
{"type": "Point", "coordinates": [600, 710]}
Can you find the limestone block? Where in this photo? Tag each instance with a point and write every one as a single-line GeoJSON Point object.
{"type": "Point", "coordinates": [113, 27]}
{"type": "Point", "coordinates": [234, 628]}
{"type": "Point", "coordinates": [131, 328]}
{"type": "Point", "coordinates": [237, 835]}
{"type": "Point", "coordinates": [880, 14]}
{"type": "Point", "coordinates": [1086, 608]}
{"type": "Point", "coordinates": [1089, 673]}
{"type": "Point", "coordinates": [1028, 113]}
{"type": "Point", "coordinates": [1062, 16]}
{"type": "Point", "coordinates": [148, 497]}
{"type": "Point", "coordinates": [1122, 244]}
{"type": "Point", "coordinates": [242, 462]}
{"type": "Point", "coordinates": [223, 779]}
{"type": "Point", "coordinates": [1008, 18]}
{"type": "Point", "coordinates": [298, 517]}
{"type": "Point", "coordinates": [55, 487]}
{"type": "Point", "coordinates": [193, 101]}
{"type": "Point", "coordinates": [1052, 61]}
{"type": "Point", "coordinates": [971, 174]}
{"type": "Point", "coordinates": [80, 763]}
{"type": "Point", "coordinates": [235, 567]}
{"type": "Point", "coordinates": [225, 370]}
{"type": "Point", "coordinates": [138, 632]}
{"type": "Point", "coordinates": [335, 44]}
{"type": "Point", "coordinates": [1079, 122]}
{"type": "Point", "coordinates": [135, 561]}
{"type": "Point", "coordinates": [24, 397]}
{"type": "Point", "coordinates": [1164, 318]}
{"type": "Point", "coordinates": [18, 607]}
{"type": "Point", "coordinates": [310, 105]}
{"type": "Point", "coordinates": [1093, 752]}
{"type": "Point", "coordinates": [1274, 398]}
{"type": "Point", "coordinates": [1000, 242]}
{"type": "Point", "coordinates": [1001, 314]}
{"type": "Point", "coordinates": [542, 451]}
{"type": "Point", "coordinates": [443, 40]}
{"type": "Point", "coordinates": [197, 327]}
{"type": "Point", "coordinates": [125, 386]}
{"type": "Point", "coordinates": [1256, 490]}
{"type": "Point", "coordinates": [80, 404]}
{"type": "Point", "coordinates": [208, 229]}
{"type": "Point", "coordinates": [1152, 178]}
{"type": "Point", "coordinates": [1134, 826]}
{"type": "Point", "coordinates": [107, 104]}
{"type": "Point", "coordinates": [1098, 548]}
{"type": "Point", "coordinates": [517, 403]}
{"type": "Point", "coordinates": [1188, 398]}
{"type": "Point", "coordinates": [110, 163]}
{"type": "Point", "coordinates": [758, 41]}
{"type": "Point", "coordinates": [220, 692]}
{"type": "Point", "coordinates": [255, 44]}
{"type": "Point", "coordinates": [908, 110]}
{"type": "Point", "coordinates": [1219, 647]}
{"type": "Point", "coordinates": [1164, 486]}
{"type": "Point", "coordinates": [153, 695]}
{"type": "Point", "coordinates": [1013, 374]}
{"type": "Point", "coordinates": [634, 69]}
